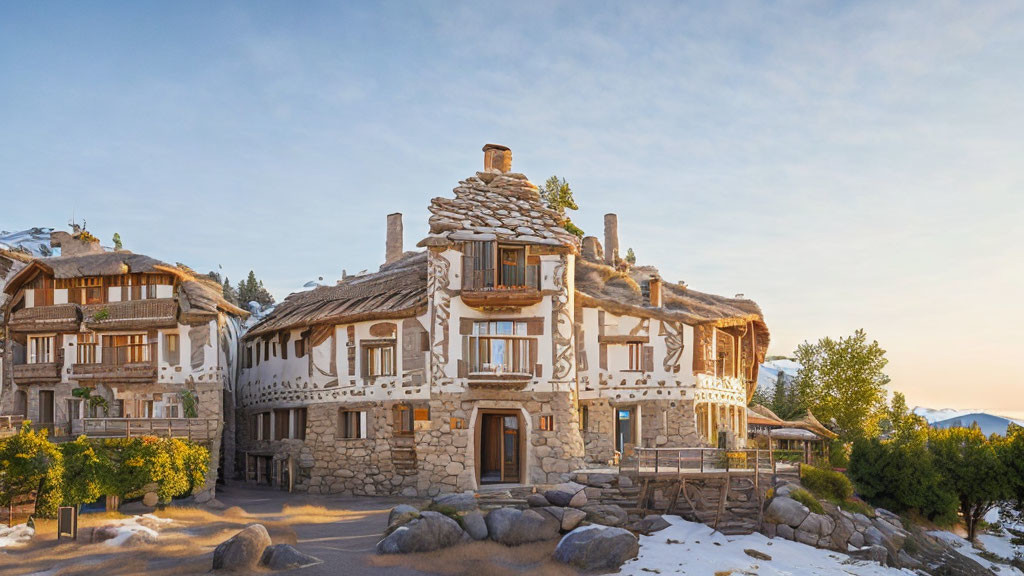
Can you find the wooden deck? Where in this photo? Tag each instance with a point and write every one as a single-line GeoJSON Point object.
{"type": "Point", "coordinates": [709, 462]}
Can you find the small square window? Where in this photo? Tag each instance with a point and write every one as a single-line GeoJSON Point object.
{"type": "Point", "coordinates": [547, 423]}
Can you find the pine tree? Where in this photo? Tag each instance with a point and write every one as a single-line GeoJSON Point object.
{"type": "Point", "coordinates": [252, 290]}
{"type": "Point", "coordinates": [230, 294]}
{"type": "Point", "coordinates": [630, 256]}
{"type": "Point", "coordinates": [557, 194]}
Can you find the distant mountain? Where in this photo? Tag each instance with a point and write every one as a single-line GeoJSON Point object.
{"type": "Point", "coordinates": [35, 241]}
{"type": "Point", "coordinates": [768, 375]}
{"type": "Point", "coordinates": [949, 418]}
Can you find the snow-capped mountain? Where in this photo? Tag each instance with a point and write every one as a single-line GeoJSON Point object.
{"type": "Point", "coordinates": [949, 418]}
{"type": "Point", "coordinates": [35, 241]}
{"type": "Point", "coordinates": [768, 375]}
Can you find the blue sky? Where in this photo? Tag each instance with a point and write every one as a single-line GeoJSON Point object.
{"type": "Point", "coordinates": [845, 164]}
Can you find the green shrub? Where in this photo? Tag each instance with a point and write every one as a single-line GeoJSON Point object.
{"type": "Point", "coordinates": [838, 454]}
{"type": "Point", "coordinates": [827, 484]}
{"type": "Point", "coordinates": [29, 462]}
{"type": "Point", "coordinates": [855, 506]}
{"type": "Point", "coordinates": [804, 497]}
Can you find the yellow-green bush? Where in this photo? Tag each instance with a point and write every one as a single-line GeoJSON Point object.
{"type": "Point", "coordinates": [827, 484]}
{"type": "Point", "coordinates": [804, 497]}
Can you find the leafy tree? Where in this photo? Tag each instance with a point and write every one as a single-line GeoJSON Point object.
{"type": "Point", "coordinates": [29, 462]}
{"type": "Point", "coordinates": [843, 383]}
{"type": "Point", "coordinates": [630, 256]}
{"type": "Point", "coordinates": [1011, 451]}
{"type": "Point", "coordinates": [117, 241]}
{"type": "Point", "coordinates": [902, 425]}
{"type": "Point", "coordinates": [971, 468]}
{"type": "Point", "coordinates": [557, 194]}
{"type": "Point", "coordinates": [82, 472]}
{"type": "Point", "coordinates": [252, 290]}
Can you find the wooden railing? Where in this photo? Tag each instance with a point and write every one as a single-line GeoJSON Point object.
{"type": "Point", "coordinates": [133, 362]}
{"type": "Point", "coordinates": [9, 425]}
{"type": "Point", "coordinates": [188, 428]}
{"type": "Point", "coordinates": [683, 461]}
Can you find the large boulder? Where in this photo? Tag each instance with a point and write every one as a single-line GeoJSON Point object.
{"type": "Point", "coordinates": [285, 557]}
{"type": "Point", "coordinates": [242, 552]}
{"type": "Point", "coordinates": [818, 524]}
{"type": "Point", "coordinates": [786, 511]}
{"type": "Point", "coordinates": [606, 514]}
{"type": "Point", "coordinates": [571, 518]}
{"type": "Point", "coordinates": [871, 553]}
{"type": "Point", "coordinates": [104, 533]}
{"type": "Point", "coordinates": [567, 494]}
{"type": "Point", "coordinates": [513, 527]}
{"type": "Point", "coordinates": [592, 548]}
{"type": "Point", "coordinates": [463, 502]}
{"type": "Point", "coordinates": [649, 525]}
{"type": "Point", "coordinates": [537, 500]}
{"type": "Point", "coordinates": [431, 531]}
{"type": "Point", "coordinates": [475, 525]}
{"type": "Point", "coordinates": [401, 514]}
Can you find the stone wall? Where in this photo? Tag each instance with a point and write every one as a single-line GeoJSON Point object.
{"type": "Point", "coordinates": [663, 423]}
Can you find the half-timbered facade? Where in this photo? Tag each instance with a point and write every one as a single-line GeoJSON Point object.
{"type": "Point", "coordinates": [504, 352]}
{"type": "Point", "coordinates": [113, 344]}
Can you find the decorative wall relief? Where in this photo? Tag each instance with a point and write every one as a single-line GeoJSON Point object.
{"type": "Point", "coordinates": [199, 339]}
{"type": "Point", "coordinates": [440, 297]}
{"type": "Point", "coordinates": [673, 332]}
{"type": "Point", "coordinates": [561, 325]}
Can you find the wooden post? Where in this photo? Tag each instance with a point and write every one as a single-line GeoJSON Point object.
{"type": "Point", "coordinates": [679, 462]}
{"type": "Point", "coordinates": [701, 460]}
{"type": "Point", "coordinates": [657, 461]}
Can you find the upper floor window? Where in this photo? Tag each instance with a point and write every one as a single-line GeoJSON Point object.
{"type": "Point", "coordinates": [126, 349]}
{"type": "Point", "coordinates": [379, 358]}
{"type": "Point", "coordinates": [42, 290]}
{"type": "Point", "coordinates": [501, 347]}
{"type": "Point", "coordinates": [40, 350]}
{"type": "Point", "coordinates": [172, 349]}
{"type": "Point", "coordinates": [490, 265]}
{"type": "Point", "coordinates": [86, 348]}
{"type": "Point", "coordinates": [636, 356]}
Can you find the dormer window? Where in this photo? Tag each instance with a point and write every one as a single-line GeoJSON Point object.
{"type": "Point", "coordinates": [491, 265]}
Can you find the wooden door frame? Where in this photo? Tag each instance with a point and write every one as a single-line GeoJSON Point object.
{"type": "Point", "coordinates": [478, 437]}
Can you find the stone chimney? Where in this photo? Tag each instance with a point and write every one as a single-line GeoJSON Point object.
{"type": "Point", "coordinates": [611, 239]}
{"type": "Point", "coordinates": [592, 251]}
{"type": "Point", "coordinates": [497, 157]}
{"type": "Point", "coordinates": [75, 245]}
{"type": "Point", "coordinates": [655, 292]}
{"type": "Point", "coordinates": [394, 248]}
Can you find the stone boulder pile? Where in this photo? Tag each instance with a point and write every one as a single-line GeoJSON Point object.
{"type": "Point", "coordinates": [252, 548]}
{"type": "Point", "coordinates": [837, 529]}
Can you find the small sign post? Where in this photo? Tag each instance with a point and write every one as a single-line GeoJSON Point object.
{"type": "Point", "coordinates": [67, 522]}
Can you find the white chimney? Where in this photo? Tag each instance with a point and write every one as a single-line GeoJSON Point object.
{"type": "Point", "coordinates": [394, 248]}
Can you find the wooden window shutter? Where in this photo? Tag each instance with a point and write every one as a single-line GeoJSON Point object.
{"type": "Point", "coordinates": [463, 369]}
{"type": "Point", "coordinates": [284, 344]}
{"type": "Point", "coordinates": [351, 332]}
{"type": "Point", "coordinates": [465, 326]}
{"type": "Point", "coordinates": [424, 341]}
{"type": "Point", "coordinates": [365, 368]}
{"type": "Point", "coordinates": [468, 265]}
{"type": "Point", "coordinates": [698, 350]}
{"type": "Point", "coordinates": [538, 369]}
{"type": "Point", "coordinates": [648, 358]}
{"type": "Point", "coordinates": [604, 356]}
{"type": "Point", "coordinates": [534, 326]}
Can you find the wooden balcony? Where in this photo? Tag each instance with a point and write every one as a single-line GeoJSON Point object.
{"type": "Point", "coordinates": [195, 429]}
{"type": "Point", "coordinates": [502, 297]}
{"type": "Point", "coordinates": [47, 373]}
{"type": "Point", "coordinates": [58, 318]}
{"type": "Point", "coordinates": [131, 315]}
{"type": "Point", "coordinates": [135, 363]}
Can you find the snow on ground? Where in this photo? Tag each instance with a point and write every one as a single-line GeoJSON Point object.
{"type": "Point", "coordinates": [19, 534]}
{"type": "Point", "coordinates": [135, 525]}
{"type": "Point", "coordinates": [697, 550]}
{"type": "Point", "coordinates": [964, 547]}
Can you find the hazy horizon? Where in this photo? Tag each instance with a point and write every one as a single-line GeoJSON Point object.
{"type": "Point", "coordinates": [844, 165]}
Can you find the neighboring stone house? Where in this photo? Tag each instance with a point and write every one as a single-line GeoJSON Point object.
{"type": "Point", "coordinates": [114, 344]}
{"type": "Point", "coordinates": [503, 353]}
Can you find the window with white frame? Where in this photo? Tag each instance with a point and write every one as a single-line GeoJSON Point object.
{"type": "Point", "coordinates": [379, 358]}
{"type": "Point", "coordinates": [351, 424]}
{"type": "Point", "coordinates": [500, 347]}
{"type": "Point", "coordinates": [40, 350]}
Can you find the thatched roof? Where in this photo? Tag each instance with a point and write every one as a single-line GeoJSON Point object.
{"type": "Point", "coordinates": [598, 284]}
{"type": "Point", "coordinates": [496, 206]}
{"type": "Point", "coordinates": [197, 294]}
{"type": "Point", "coordinates": [398, 290]}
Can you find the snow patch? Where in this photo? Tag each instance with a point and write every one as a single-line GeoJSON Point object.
{"type": "Point", "coordinates": [998, 543]}
{"type": "Point", "coordinates": [18, 534]}
{"type": "Point", "coordinates": [692, 548]}
{"type": "Point", "coordinates": [35, 241]}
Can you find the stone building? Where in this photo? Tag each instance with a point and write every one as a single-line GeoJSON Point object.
{"type": "Point", "coordinates": [114, 344]}
{"type": "Point", "coordinates": [504, 352]}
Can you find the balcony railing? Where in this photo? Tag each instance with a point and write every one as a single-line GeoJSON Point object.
{"type": "Point", "coordinates": [130, 363]}
{"type": "Point", "coordinates": [9, 425]}
{"type": "Point", "coordinates": [57, 318]}
{"type": "Point", "coordinates": [40, 373]}
{"type": "Point", "coordinates": [197, 429]}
